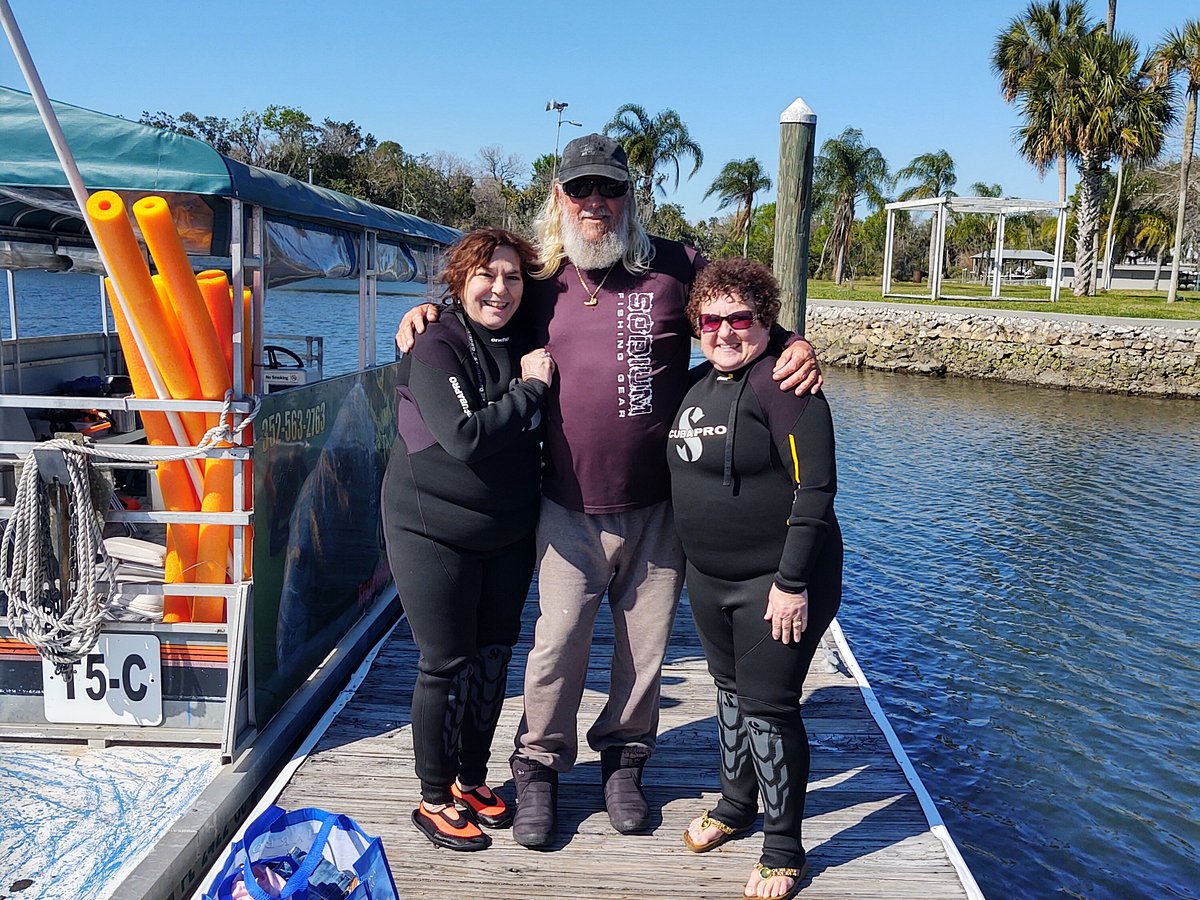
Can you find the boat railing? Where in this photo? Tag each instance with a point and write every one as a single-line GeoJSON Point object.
{"type": "Point", "coordinates": [320, 448]}
{"type": "Point", "coordinates": [204, 691]}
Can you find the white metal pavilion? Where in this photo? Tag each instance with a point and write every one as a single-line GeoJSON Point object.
{"type": "Point", "coordinates": [941, 207]}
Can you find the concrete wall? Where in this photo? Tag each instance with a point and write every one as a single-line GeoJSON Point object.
{"type": "Point", "coordinates": [1154, 357]}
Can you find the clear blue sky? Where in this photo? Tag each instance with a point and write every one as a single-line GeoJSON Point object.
{"type": "Point", "coordinates": [455, 76]}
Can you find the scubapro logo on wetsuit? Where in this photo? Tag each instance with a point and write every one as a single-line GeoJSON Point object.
{"type": "Point", "coordinates": [690, 433]}
{"type": "Point", "coordinates": [462, 398]}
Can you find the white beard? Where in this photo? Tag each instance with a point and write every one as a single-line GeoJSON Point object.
{"type": "Point", "coordinates": [595, 254]}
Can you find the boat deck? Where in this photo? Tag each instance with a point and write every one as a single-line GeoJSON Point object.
{"type": "Point", "coordinates": [865, 831]}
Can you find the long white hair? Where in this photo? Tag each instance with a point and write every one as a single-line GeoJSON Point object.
{"type": "Point", "coordinates": [639, 250]}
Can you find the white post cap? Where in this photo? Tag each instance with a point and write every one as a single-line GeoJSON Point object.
{"type": "Point", "coordinates": [800, 112]}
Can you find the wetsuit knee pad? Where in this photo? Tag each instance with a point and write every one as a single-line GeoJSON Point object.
{"type": "Point", "coordinates": [449, 668]}
{"type": "Point", "coordinates": [489, 678]}
{"type": "Point", "coordinates": [493, 662]}
{"type": "Point", "coordinates": [778, 710]}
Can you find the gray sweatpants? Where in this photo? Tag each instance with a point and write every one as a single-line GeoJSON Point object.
{"type": "Point", "coordinates": [635, 556]}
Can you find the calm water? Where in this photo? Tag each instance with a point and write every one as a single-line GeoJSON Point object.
{"type": "Point", "coordinates": [1022, 588]}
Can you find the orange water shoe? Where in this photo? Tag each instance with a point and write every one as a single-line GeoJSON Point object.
{"type": "Point", "coordinates": [450, 827]}
{"type": "Point", "coordinates": [488, 806]}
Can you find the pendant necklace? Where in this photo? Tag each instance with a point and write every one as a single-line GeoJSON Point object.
{"type": "Point", "coordinates": [591, 300]}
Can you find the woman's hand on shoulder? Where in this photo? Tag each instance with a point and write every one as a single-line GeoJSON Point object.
{"type": "Point", "coordinates": [787, 613]}
{"type": "Point", "coordinates": [413, 323]}
{"type": "Point", "coordinates": [538, 364]}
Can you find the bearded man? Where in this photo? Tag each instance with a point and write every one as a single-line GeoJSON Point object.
{"type": "Point", "coordinates": [608, 300]}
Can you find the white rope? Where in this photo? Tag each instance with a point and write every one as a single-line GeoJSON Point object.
{"type": "Point", "coordinates": [63, 622]}
{"type": "Point", "coordinates": [221, 433]}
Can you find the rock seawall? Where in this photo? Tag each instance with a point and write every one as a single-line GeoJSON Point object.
{"type": "Point", "coordinates": [1134, 356]}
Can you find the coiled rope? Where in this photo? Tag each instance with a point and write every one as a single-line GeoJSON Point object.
{"type": "Point", "coordinates": [63, 622]}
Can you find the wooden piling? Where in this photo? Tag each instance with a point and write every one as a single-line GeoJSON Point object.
{"type": "Point", "coordinates": [793, 211]}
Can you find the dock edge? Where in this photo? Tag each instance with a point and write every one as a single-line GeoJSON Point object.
{"type": "Point", "coordinates": [936, 825]}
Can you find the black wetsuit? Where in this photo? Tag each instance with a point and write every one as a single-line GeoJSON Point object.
{"type": "Point", "coordinates": [752, 482]}
{"type": "Point", "coordinates": [460, 502]}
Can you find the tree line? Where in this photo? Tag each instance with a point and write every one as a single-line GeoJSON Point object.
{"type": "Point", "coordinates": [1085, 92]}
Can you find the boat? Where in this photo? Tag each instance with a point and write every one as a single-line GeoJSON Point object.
{"type": "Point", "coordinates": [152, 748]}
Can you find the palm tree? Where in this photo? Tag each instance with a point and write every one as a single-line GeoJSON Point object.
{"type": "Point", "coordinates": [847, 169]}
{"type": "Point", "coordinates": [971, 231]}
{"type": "Point", "coordinates": [1137, 207]}
{"type": "Point", "coordinates": [738, 182]}
{"type": "Point", "coordinates": [1105, 103]}
{"type": "Point", "coordinates": [652, 144]}
{"type": "Point", "coordinates": [1021, 51]}
{"type": "Point", "coordinates": [1180, 52]}
{"type": "Point", "coordinates": [1153, 234]}
{"type": "Point", "coordinates": [934, 174]}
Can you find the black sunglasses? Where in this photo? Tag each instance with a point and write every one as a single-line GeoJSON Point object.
{"type": "Point", "coordinates": [580, 188]}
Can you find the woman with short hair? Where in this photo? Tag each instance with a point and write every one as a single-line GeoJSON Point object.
{"type": "Point", "coordinates": [460, 502]}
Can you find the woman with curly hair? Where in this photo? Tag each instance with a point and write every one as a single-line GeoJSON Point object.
{"type": "Point", "coordinates": [752, 484]}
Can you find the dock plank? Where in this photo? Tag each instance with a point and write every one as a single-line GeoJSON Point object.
{"type": "Point", "coordinates": [864, 830]}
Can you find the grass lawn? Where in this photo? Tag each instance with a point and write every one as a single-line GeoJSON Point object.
{"type": "Point", "coordinates": [1125, 304]}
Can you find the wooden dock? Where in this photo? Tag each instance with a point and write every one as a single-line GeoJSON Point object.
{"type": "Point", "coordinates": [865, 831]}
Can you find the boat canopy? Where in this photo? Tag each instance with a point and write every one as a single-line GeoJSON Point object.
{"type": "Point", "coordinates": [312, 232]}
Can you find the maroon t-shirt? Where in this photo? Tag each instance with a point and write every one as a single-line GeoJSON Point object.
{"type": "Point", "coordinates": [622, 370]}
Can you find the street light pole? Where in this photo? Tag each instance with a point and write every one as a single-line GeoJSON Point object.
{"type": "Point", "coordinates": [558, 106]}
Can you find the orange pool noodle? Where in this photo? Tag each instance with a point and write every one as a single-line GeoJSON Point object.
{"type": "Point", "coordinates": [114, 233]}
{"type": "Point", "coordinates": [179, 339]}
{"type": "Point", "coordinates": [181, 559]}
{"type": "Point", "coordinates": [174, 483]}
{"type": "Point", "coordinates": [248, 337]}
{"type": "Point", "coordinates": [186, 304]}
{"type": "Point", "coordinates": [209, 561]}
{"type": "Point", "coordinates": [177, 489]}
{"type": "Point", "coordinates": [158, 230]}
{"type": "Point", "coordinates": [176, 334]}
{"type": "Point", "coordinates": [218, 297]}
{"type": "Point", "coordinates": [212, 552]}
{"type": "Point", "coordinates": [248, 433]}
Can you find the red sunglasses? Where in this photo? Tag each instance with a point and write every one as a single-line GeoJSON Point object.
{"type": "Point", "coordinates": [738, 321]}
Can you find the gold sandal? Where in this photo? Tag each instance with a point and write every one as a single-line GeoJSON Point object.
{"type": "Point", "coordinates": [727, 833]}
{"type": "Point", "coordinates": [764, 872]}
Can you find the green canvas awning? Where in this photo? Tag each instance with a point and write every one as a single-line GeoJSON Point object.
{"type": "Point", "coordinates": [135, 160]}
